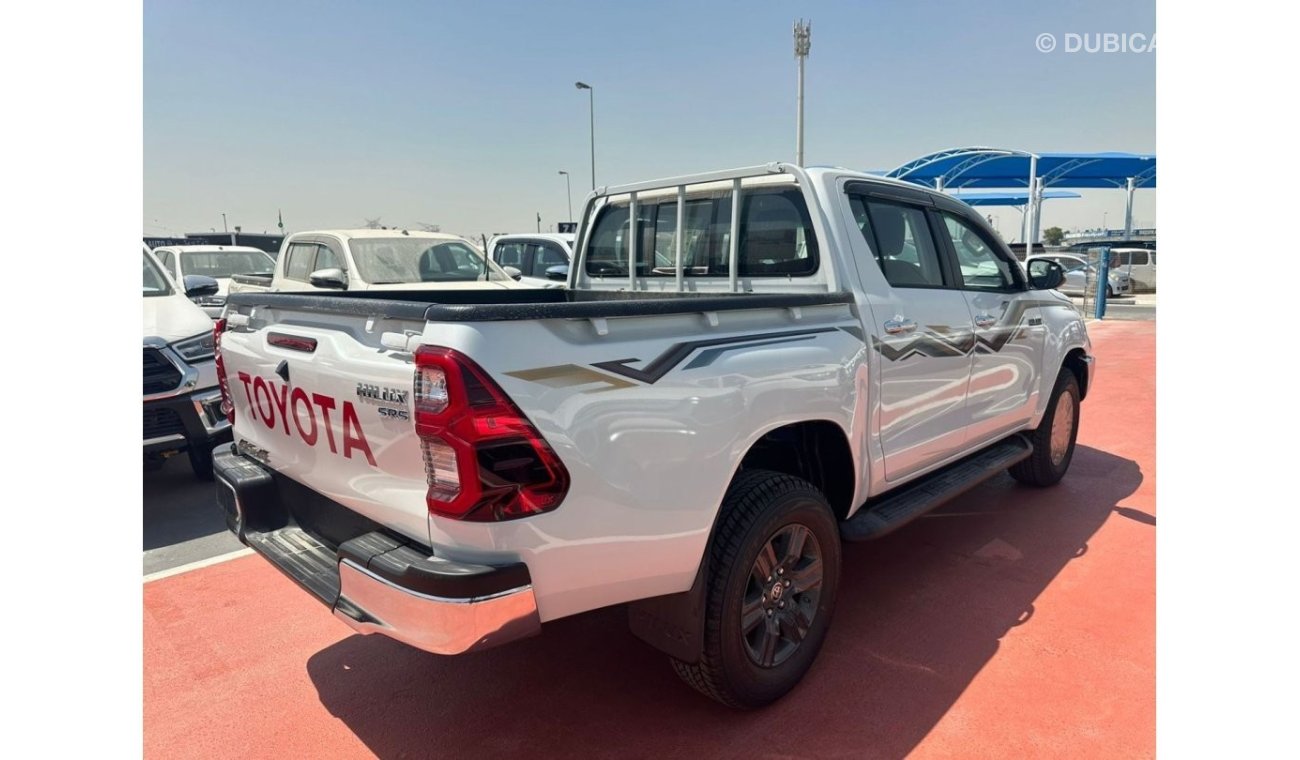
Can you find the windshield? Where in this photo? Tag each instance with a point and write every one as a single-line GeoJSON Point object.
{"type": "Point", "coordinates": [220, 264]}
{"type": "Point", "coordinates": [155, 284]}
{"type": "Point", "coordinates": [387, 261]}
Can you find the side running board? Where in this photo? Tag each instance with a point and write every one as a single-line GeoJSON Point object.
{"type": "Point", "coordinates": [897, 508]}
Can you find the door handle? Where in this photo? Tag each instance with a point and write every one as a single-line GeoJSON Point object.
{"type": "Point", "coordinates": [985, 320]}
{"type": "Point", "coordinates": [899, 326]}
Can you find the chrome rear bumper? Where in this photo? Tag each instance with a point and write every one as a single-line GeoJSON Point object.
{"type": "Point", "coordinates": [374, 581]}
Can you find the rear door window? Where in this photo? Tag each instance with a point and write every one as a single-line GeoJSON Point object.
{"type": "Point", "coordinates": [301, 257]}
{"type": "Point", "coordinates": [900, 240]}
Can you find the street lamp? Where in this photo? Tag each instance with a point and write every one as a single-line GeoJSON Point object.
{"type": "Point", "coordinates": [1103, 222]}
{"type": "Point", "coordinates": [568, 193]}
{"type": "Point", "coordinates": [591, 102]}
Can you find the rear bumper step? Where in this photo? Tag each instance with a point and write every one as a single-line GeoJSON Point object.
{"type": "Point", "coordinates": [373, 581]}
{"type": "Point", "coordinates": [897, 509]}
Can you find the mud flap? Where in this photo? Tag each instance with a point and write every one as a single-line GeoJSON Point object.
{"type": "Point", "coordinates": [673, 623]}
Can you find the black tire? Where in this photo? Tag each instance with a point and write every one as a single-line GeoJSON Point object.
{"type": "Point", "coordinates": [764, 509]}
{"type": "Point", "coordinates": [1043, 468]}
{"type": "Point", "coordinates": [201, 459]}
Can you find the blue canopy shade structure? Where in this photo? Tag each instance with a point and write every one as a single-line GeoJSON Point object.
{"type": "Point", "coordinates": [1010, 198]}
{"type": "Point", "coordinates": [979, 166]}
{"type": "Point", "coordinates": [1000, 167]}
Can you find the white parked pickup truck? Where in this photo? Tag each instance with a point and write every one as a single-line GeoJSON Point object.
{"type": "Point", "coordinates": [541, 259]}
{"type": "Point", "coordinates": [220, 262]}
{"type": "Point", "coordinates": [770, 361]}
{"type": "Point", "coordinates": [366, 259]}
{"type": "Point", "coordinates": [182, 404]}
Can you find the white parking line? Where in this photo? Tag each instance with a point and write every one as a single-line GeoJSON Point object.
{"type": "Point", "coordinates": [217, 560]}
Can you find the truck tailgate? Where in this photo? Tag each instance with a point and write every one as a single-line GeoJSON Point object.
{"type": "Point", "coordinates": [318, 399]}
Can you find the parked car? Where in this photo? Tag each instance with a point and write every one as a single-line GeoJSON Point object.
{"type": "Point", "coordinates": [1138, 263]}
{"type": "Point", "coordinates": [1081, 276]}
{"type": "Point", "coordinates": [456, 469]}
{"type": "Point", "coordinates": [334, 260]}
{"type": "Point", "coordinates": [542, 259]}
{"type": "Point", "coordinates": [182, 403]}
{"type": "Point", "coordinates": [220, 262]}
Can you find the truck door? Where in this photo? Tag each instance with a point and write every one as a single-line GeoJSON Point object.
{"type": "Point", "coordinates": [1007, 354]}
{"type": "Point", "coordinates": [920, 332]}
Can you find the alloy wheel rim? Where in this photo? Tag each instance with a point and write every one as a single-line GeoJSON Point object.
{"type": "Point", "coordinates": [1062, 427]}
{"type": "Point", "coordinates": [781, 595]}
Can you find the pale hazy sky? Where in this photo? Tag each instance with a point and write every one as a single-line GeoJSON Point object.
{"type": "Point", "coordinates": [461, 114]}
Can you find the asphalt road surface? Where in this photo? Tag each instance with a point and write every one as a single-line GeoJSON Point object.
{"type": "Point", "coordinates": [182, 522]}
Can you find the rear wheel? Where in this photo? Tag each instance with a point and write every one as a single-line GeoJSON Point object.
{"type": "Point", "coordinates": [774, 567]}
{"type": "Point", "coordinates": [1054, 437]}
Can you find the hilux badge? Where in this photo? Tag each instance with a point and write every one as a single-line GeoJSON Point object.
{"type": "Point", "coordinates": [371, 392]}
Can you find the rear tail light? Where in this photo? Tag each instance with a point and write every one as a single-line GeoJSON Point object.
{"type": "Point", "coordinates": [483, 460]}
{"type": "Point", "coordinates": [227, 406]}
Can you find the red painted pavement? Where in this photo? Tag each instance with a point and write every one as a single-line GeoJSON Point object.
{"type": "Point", "coordinates": [1014, 623]}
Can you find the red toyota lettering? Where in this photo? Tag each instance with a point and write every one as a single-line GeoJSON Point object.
{"type": "Point", "coordinates": [326, 404]}
{"type": "Point", "coordinates": [300, 396]}
{"type": "Point", "coordinates": [268, 414]}
{"type": "Point", "coordinates": [248, 393]}
{"type": "Point", "coordinates": [280, 404]}
{"type": "Point", "coordinates": [353, 436]}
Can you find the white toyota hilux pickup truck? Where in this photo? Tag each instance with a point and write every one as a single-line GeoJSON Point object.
{"type": "Point", "coordinates": [764, 363]}
{"type": "Point", "coordinates": [366, 259]}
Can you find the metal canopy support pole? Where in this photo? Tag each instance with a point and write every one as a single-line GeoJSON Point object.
{"type": "Point", "coordinates": [677, 237]}
{"type": "Point", "coordinates": [1038, 208]}
{"type": "Point", "coordinates": [938, 184]}
{"type": "Point", "coordinates": [632, 232]}
{"type": "Point", "coordinates": [1028, 229]}
{"type": "Point", "coordinates": [1128, 208]}
{"type": "Point", "coordinates": [733, 256]}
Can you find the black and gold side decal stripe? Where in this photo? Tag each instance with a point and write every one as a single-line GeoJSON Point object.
{"type": "Point", "coordinates": [675, 354]}
{"type": "Point", "coordinates": [942, 341]}
{"type": "Point", "coordinates": [573, 375]}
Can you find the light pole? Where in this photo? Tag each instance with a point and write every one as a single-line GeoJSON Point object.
{"type": "Point", "coordinates": [224, 228]}
{"type": "Point", "coordinates": [802, 43]}
{"type": "Point", "coordinates": [591, 102]}
{"type": "Point", "coordinates": [568, 193]}
{"type": "Point", "coordinates": [1103, 222]}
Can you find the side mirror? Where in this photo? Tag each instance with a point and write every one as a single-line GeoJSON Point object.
{"type": "Point", "coordinates": [514, 273]}
{"type": "Point", "coordinates": [559, 273]}
{"type": "Point", "coordinates": [1045, 274]}
{"type": "Point", "coordinates": [329, 278]}
{"type": "Point", "coordinates": [197, 286]}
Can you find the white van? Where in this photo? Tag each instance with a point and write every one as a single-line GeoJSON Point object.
{"type": "Point", "coordinates": [1138, 263]}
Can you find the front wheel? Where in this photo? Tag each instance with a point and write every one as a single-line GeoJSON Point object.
{"type": "Point", "coordinates": [773, 574]}
{"type": "Point", "coordinates": [1054, 437]}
